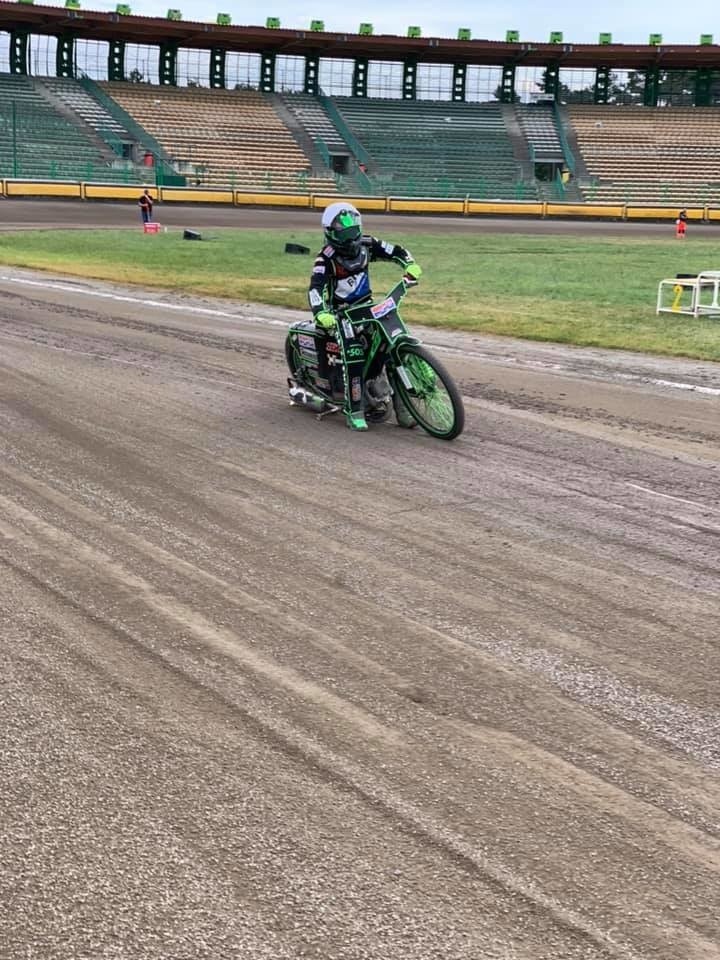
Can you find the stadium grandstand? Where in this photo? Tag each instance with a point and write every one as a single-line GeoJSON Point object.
{"type": "Point", "coordinates": [115, 98]}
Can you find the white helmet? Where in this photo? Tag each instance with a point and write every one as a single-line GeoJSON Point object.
{"type": "Point", "coordinates": [343, 227]}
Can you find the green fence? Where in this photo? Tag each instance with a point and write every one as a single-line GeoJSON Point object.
{"type": "Point", "coordinates": [36, 143]}
{"type": "Point", "coordinates": [479, 188]}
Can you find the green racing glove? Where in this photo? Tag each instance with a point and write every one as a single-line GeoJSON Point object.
{"type": "Point", "coordinates": [413, 271]}
{"type": "Point", "coordinates": [325, 319]}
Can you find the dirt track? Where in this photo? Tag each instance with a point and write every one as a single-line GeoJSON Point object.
{"type": "Point", "coordinates": [273, 690]}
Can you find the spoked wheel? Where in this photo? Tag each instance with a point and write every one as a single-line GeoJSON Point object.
{"type": "Point", "coordinates": [431, 397]}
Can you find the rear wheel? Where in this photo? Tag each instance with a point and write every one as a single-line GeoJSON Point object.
{"type": "Point", "coordinates": [295, 361]}
{"type": "Point", "coordinates": [430, 394]}
{"type": "Point", "coordinates": [290, 355]}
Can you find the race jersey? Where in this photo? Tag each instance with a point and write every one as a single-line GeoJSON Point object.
{"type": "Point", "coordinates": [337, 281]}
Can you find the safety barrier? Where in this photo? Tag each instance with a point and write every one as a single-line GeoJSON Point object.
{"type": "Point", "coordinates": [37, 188]}
{"type": "Point", "coordinates": [465, 206]}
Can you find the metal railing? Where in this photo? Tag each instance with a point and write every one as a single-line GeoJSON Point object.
{"type": "Point", "coordinates": [138, 133]}
{"type": "Point", "coordinates": [19, 169]}
{"type": "Point", "coordinates": [344, 130]}
{"type": "Point", "coordinates": [567, 152]}
{"type": "Point", "coordinates": [164, 168]}
{"type": "Point", "coordinates": [650, 193]}
{"type": "Point", "coordinates": [444, 188]}
{"type": "Point", "coordinates": [322, 150]}
{"type": "Point", "coordinates": [36, 143]}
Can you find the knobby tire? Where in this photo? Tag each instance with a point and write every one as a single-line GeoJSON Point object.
{"type": "Point", "coordinates": [435, 400]}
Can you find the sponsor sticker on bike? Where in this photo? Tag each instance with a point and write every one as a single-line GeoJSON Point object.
{"type": "Point", "coordinates": [356, 391]}
{"type": "Point", "coordinates": [380, 309]}
{"type": "Point", "coordinates": [305, 342]}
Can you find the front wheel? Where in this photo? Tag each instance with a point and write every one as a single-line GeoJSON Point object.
{"type": "Point", "coordinates": [429, 392]}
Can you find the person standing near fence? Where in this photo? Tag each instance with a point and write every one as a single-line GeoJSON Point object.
{"type": "Point", "coordinates": [146, 206]}
{"type": "Point", "coordinates": [681, 223]}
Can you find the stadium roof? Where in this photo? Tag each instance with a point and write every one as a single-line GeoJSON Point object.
{"type": "Point", "coordinates": [97, 25]}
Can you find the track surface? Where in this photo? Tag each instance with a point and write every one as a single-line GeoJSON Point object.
{"type": "Point", "coordinates": [274, 690]}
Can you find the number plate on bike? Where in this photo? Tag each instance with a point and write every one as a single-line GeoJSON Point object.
{"type": "Point", "coordinates": [380, 309]}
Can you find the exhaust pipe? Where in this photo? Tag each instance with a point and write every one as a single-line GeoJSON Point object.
{"type": "Point", "coordinates": [301, 396]}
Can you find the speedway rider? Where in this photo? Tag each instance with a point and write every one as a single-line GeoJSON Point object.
{"type": "Point", "coordinates": [340, 278]}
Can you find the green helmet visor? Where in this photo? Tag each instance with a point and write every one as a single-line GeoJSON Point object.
{"type": "Point", "coordinates": [346, 234]}
{"type": "Point", "coordinates": [345, 230]}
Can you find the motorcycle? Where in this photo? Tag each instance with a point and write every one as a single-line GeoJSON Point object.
{"type": "Point", "coordinates": [372, 346]}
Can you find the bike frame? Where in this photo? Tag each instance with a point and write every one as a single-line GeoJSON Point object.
{"type": "Point", "coordinates": [380, 324]}
{"type": "Point", "coordinates": [383, 316]}
{"type": "Point", "coordinates": [370, 337]}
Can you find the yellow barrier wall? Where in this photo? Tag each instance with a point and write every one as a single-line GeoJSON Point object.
{"type": "Point", "coordinates": [426, 206]}
{"type": "Point", "coordinates": [584, 210]}
{"type": "Point", "coordinates": [102, 191]}
{"type": "Point", "coordinates": [17, 188]}
{"type": "Point", "coordinates": [172, 195]}
{"type": "Point", "coordinates": [319, 201]}
{"type": "Point", "coordinates": [107, 191]}
{"type": "Point", "coordinates": [271, 199]}
{"type": "Point", "coordinates": [496, 209]}
{"type": "Point", "coordinates": [651, 213]}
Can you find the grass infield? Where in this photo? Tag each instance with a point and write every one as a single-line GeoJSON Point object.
{"type": "Point", "coordinates": [590, 292]}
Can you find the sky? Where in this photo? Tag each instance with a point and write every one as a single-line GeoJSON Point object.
{"type": "Point", "coordinates": [679, 23]}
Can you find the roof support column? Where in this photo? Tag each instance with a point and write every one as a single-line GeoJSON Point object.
{"type": "Point", "coordinates": [312, 66]}
{"type": "Point", "coordinates": [360, 75]}
{"type": "Point", "coordinates": [458, 82]}
{"type": "Point", "coordinates": [116, 60]}
{"type": "Point", "coordinates": [19, 52]}
{"type": "Point", "coordinates": [703, 87]}
{"type": "Point", "coordinates": [409, 87]}
{"type": "Point", "coordinates": [551, 79]}
{"type": "Point", "coordinates": [168, 64]}
{"type": "Point", "coordinates": [65, 57]}
{"type": "Point", "coordinates": [652, 87]}
{"type": "Point", "coordinates": [507, 85]}
{"type": "Point", "coordinates": [267, 72]}
{"type": "Point", "coordinates": [217, 68]}
{"type": "Point", "coordinates": [602, 85]}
